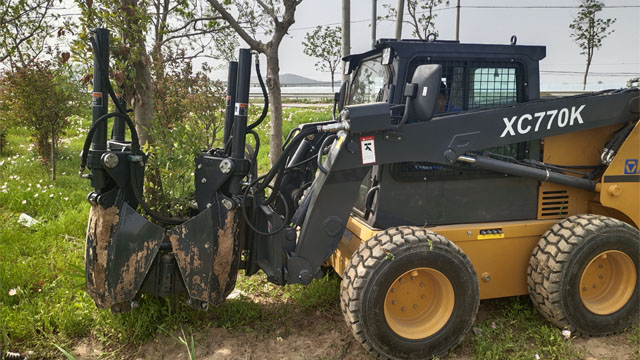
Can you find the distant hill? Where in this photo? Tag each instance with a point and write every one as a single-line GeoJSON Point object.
{"type": "Point", "coordinates": [294, 80]}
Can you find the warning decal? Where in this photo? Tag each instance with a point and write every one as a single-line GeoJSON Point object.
{"type": "Point", "coordinates": [368, 149]}
{"type": "Point", "coordinates": [97, 99]}
{"type": "Point", "coordinates": [242, 109]}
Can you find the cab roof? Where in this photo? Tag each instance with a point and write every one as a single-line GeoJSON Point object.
{"type": "Point", "coordinates": [411, 47]}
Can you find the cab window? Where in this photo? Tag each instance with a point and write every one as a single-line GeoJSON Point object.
{"type": "Point", "coordinates": [369, 82]}
{"type": "Point", "coordinates": [492, 86]}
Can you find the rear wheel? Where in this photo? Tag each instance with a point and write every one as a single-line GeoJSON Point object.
{"type": "Point", "coordinates": [583, 275]}
{"type": "Point", "coordinates": [409, 293]}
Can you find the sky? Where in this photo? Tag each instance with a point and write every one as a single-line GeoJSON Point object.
{"type": "Point", "coordinates": [613, 63]}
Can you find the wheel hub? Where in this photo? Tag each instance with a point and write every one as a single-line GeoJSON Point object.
{"type": "Point", "coordinates": [607, 282]}
{"type": "Point", "coordinates": [419, 303]}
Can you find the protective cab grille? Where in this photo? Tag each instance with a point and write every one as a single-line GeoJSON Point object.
{"type": "Point", "coordinates": [554, 204]}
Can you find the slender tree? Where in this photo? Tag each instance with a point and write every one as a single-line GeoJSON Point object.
{"type": "Point", "coordinates": [421, 16]}
{"type": "Point", "coordinates": [41, 97]}
{"type": "Point", "coordinates": [588, 31]}
{"type": "Point", "coordinates": [272, 18]}
{"type": "Point", "coordinates": [324, 44]}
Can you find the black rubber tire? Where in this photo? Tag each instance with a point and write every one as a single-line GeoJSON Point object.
{"type": "Point", "coordinates": [374, 267]}
{"type": "Point", "coordinates": [558, 262]}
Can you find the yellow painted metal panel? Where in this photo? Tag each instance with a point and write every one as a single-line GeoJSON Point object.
{"type": "Point", "coordinates": [620, 187]}
{"type": "Point", "coordinates": [501, 263]}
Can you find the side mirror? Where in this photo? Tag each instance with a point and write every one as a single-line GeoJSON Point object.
{"type": "Point", "coordinates": [342, 94]}
{"type": "Point", "coordinates": [424, 90]}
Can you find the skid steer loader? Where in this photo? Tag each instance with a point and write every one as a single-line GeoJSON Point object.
{"type": "Point", "coordinates": [444, 180]}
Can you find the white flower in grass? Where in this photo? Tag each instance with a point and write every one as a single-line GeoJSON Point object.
{"type": "Point", "coordinates": [66, 199]}
{"type": "Point", "coordinates": [51, 195]}
{"type": "Point", "coordinates": [35, 195]}
{"type": "Point", "coordinates": [24, 202]}
{"type": "Point", "coordinates": [13, 292]}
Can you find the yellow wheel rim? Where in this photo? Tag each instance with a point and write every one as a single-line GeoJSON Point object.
{"type": "Point", "coordinates": [419, 303]}
{"type": "Point", "coordinates": [607, 282]}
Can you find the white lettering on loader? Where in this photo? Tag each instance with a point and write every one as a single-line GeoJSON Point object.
{"type": "Point", "coordinates": [523, 125]}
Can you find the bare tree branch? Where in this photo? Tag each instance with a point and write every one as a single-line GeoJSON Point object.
{"type": "Point", "coordinates": [253, 43]}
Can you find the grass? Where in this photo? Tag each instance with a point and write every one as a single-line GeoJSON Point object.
{"type": "Point", "coordinates": [518, 331]}
{"type": "Point", "coordinates": [44, 306]}
{"type": "Point", "coordinates": [634, 340]}
{"type": "Point", "coordinates": [43, 302]}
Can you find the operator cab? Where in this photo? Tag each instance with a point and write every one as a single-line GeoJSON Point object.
{"type": "Point", "coordinates": [473, 77]}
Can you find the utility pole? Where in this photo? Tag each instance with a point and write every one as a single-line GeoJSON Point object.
{"type": "Point", "coordinates": [458, 21]}
{"type": "Point", "coordinates": [346, 33]}
{"type": "Point", "coordinates": [374, 20]}
{"type": "Point", "coordinates": [399, 20]}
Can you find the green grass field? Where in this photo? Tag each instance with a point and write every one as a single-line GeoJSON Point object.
{"type": "Point", "coordinates": [42, 295]}
{"type": "Point", "coordinates": [43, 303]}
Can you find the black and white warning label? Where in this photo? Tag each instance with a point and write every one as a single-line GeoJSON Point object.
{"type": "Point", "coordinates": [368, 149]}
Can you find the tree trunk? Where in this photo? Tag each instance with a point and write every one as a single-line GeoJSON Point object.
{"type": "Point", "coordinates": [143, 100]}
{"type": "Point", "coordinates": [586, 72]}
{"type": "Point", "coordinates": [53, 154]}
{"type": "Point", "coordinates": [332, 89]}
{"type": "Point", "coordinates": [275, 100]}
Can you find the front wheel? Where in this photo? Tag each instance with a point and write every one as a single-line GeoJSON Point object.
{"type": "Point", "coordinates": [409, 293]}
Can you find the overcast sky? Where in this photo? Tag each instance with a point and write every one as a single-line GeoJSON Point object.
{"type": "Point", "coordinates": [620, 53]}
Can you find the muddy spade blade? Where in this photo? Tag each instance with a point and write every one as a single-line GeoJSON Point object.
{"type": "Point", "coordinates": [121, 245]}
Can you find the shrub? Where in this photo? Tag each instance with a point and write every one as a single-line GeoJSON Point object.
{"type": "Point", "coordinates": [41, 97]}
{"type": "Point", "coordinates": [189, 117]}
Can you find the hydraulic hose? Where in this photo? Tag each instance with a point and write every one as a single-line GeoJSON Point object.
{"type": "Point", "coordinates": [265, 108]}
{"type": "Point", "coordinates": [135, 145]}
{"type": "Point", "coordinates": [243, 209]}
{"type": "Point", "coordinates": [325, 142]}
{"type": "Point", "coordinates": [289, 136]}
{"type": "Point", "coordinates": [280, 163]}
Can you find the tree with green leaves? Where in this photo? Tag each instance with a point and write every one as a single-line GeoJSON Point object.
{"type": "Point", "coordinates": [148, 38]}
{"type": "Point", "coordinates": [271, 18]}
{"type": "Point", "coordinates": [325, 44]}
{"type": "Point", "coordinates": [177, 31]}
{"type": "Point", "coordinates": [189, 117]}
{"type": "Point", "coordinates": [421, 16]}
{"type": "Point", "coordinates": [42, 97]}
{"type": "Point", "coordinates": [588, 31]}
{"type": "Point", "coordinates": [25, 25]}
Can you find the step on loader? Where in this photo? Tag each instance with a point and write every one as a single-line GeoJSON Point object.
{"type": "Point", "coordinates": [443, 179]}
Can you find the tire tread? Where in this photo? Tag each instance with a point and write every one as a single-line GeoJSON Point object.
{"type": "Point", "coordinates": [368, 256]}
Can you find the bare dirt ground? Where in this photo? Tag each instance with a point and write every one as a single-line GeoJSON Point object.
{"type": "Point", "coordinates": [320, 336]}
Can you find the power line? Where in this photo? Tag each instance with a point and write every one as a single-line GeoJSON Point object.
{"type": "Point", "coordinates": [580, 73]}
{"type": "Point", "coordinates": [543, 7]}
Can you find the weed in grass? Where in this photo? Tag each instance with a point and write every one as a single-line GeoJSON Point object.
{"type": "Point", "coordinates": [237, 314]}
{"type": "Point", "coordinates": [66, 353]}
{"type": "Point", "coordinates": [322, 294]}
{"type": "Point", "coordinates": [634, 339]}
{"type": "Point", "coordinates": [519, 332]}
{"type": "Point", "coordinates": [189, 345]}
